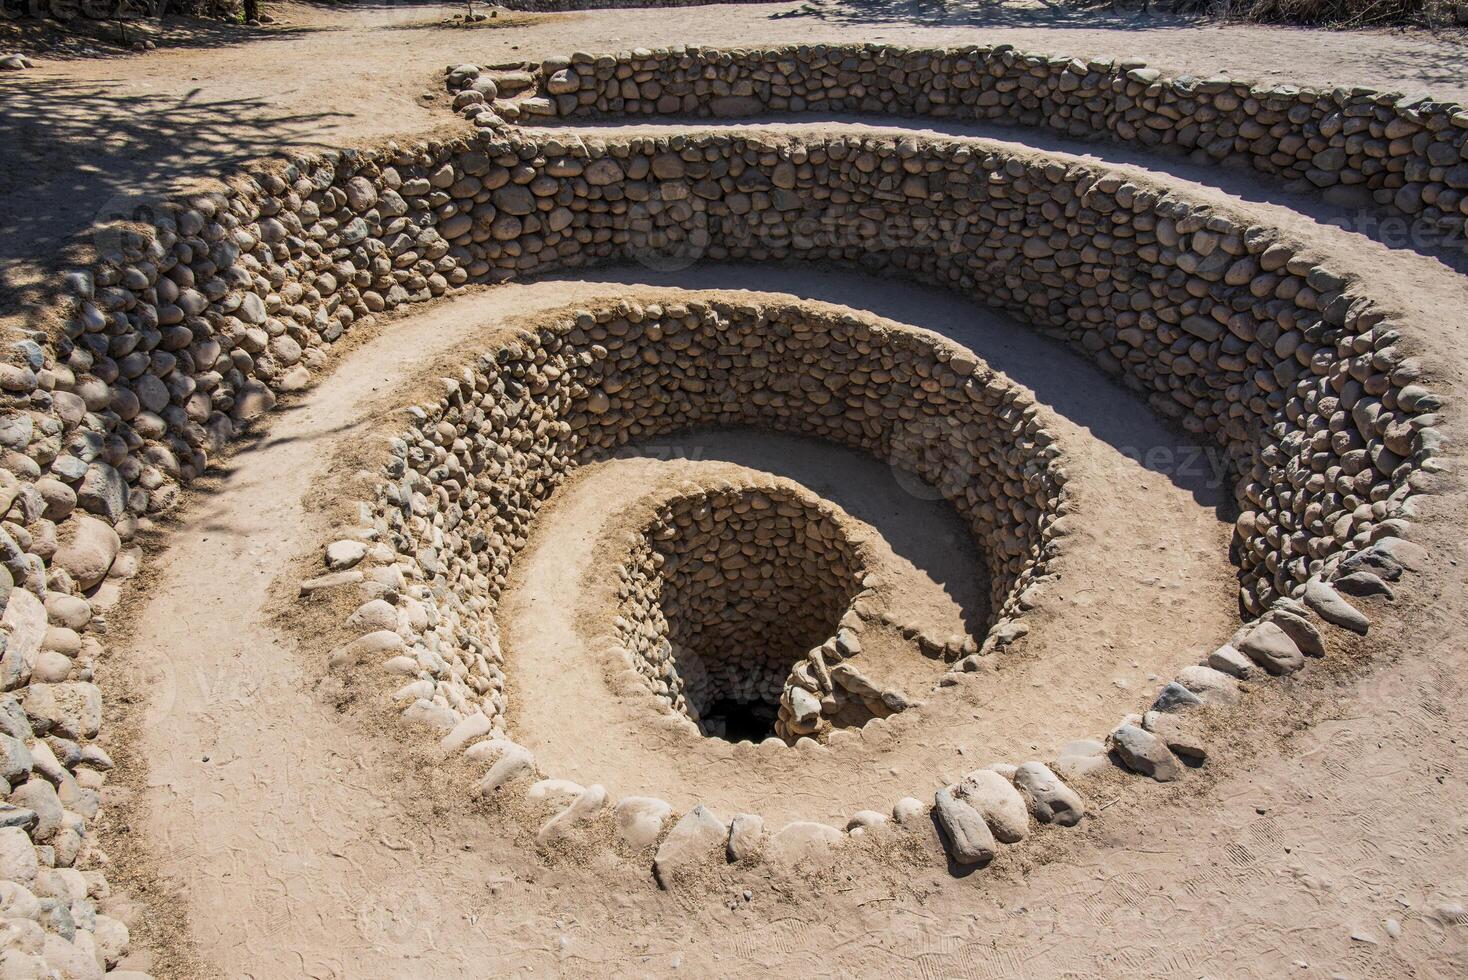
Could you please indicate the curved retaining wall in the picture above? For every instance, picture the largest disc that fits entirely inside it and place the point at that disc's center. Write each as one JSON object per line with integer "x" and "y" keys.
{"x": 1408, "y": 154}
{"x": 475, "y": 468}
{"x": 238, "y": 298}
{"x": 1221, "y": 326}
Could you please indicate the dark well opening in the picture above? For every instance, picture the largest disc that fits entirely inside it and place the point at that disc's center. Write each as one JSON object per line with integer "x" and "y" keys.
{"x": 741, "y": 584}
{"x": 739, "y": 720}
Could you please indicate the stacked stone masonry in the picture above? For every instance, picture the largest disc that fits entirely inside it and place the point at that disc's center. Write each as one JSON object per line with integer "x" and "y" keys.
{"x": 469, "y": 477}
{"x": 1408, "y": 154}
{"x": 727, "y": 594}
{"x": 195, "y": 327}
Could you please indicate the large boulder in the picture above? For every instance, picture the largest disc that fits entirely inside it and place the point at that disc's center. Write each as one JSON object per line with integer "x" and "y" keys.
{"x": 695, "y": 838}
{"x": 88, "y": 549}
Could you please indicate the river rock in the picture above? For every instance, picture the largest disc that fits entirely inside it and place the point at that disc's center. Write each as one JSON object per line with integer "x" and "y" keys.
{"x": 1051, "y": 801}
{"x": 1145, "y": 753}
{"x": 998, "y": 802}
{"x": 639, "y": 820}
{"x": 746, "y": 837}
{"x": 1331, "y": 607}
{"x": 88, "y": 549}
{"x": 694, "y": 839}
{"x": 967, "y": 836}
{"x": 1271, "y": 648}
{"x": 72, "y": 710}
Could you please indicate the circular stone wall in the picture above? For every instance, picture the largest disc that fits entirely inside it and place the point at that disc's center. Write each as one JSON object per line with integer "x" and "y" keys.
{"x": 729, "y": 593}
{"x": 471, "y": 473}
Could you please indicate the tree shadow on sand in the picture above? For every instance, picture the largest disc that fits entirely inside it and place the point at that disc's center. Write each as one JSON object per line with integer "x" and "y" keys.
{"x": 77, "y": 155}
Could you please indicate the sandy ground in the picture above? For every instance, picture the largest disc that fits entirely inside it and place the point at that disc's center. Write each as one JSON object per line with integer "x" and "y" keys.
{"x": 1327, "y": 839}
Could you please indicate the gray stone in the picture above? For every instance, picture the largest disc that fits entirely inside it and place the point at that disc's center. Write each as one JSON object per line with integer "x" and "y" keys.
{"x": 1299, "y": 629}
{"x": 584, "y": 809}
{"x": 639, "y": 820}
{"x": 1177, "y": 733}
{"x": 1050, "y": 800}
{"x": 514, "y": 199}
{"x": 88, "y": 549}
{"x": 103, "y": 491}
{"x": 430, "y": 714}
{"x": 802, "y": 843}
{"x": 965, "y": 833}
{"x": 17, "y": 857}
{"x": 72, "y": 710}
{"x": 1145, "y": 753}
{"x": 1211, "y": 685}
{"x": 70, "y": 611}
{"x": 466, "y": 730}
{"x": 1412, "y": 557}
{"x": 513, "y": 761}
{"x": 1227, "y": 660}
{"x": 1175, "y": 697}
{"x": 40, "y": 796}
{"x": 998, "y": 802}
{"x": 1364, "y": 585}
{"x": 374, "y": 614}
{"x": 1271, "y": 648}
{"x": 253, "y": 401}
{"x": 866, "y": 820}
{"x": 13, "y": 721}
{"x": 695, "y": 838}
{"x": 341, "y": 555}
{"x": 15, "y": 430}
{"x": 746, "y": 837}
{"x": 729, "y": 106}
{"x": 910, "y": 812}
{"x": 17, "y": 816}
{"x": 25, "y": 621}
{"x": 15, "y": 759}
{"x": 377, "y": 644}
{"x": 1329, "y": 606}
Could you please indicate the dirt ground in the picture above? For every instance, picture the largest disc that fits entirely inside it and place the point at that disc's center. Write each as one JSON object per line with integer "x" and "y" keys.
{"x": 261, "y": 833}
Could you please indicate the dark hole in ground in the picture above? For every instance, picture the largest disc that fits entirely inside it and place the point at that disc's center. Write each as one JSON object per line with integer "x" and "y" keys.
{"x": 740, "y": 720}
